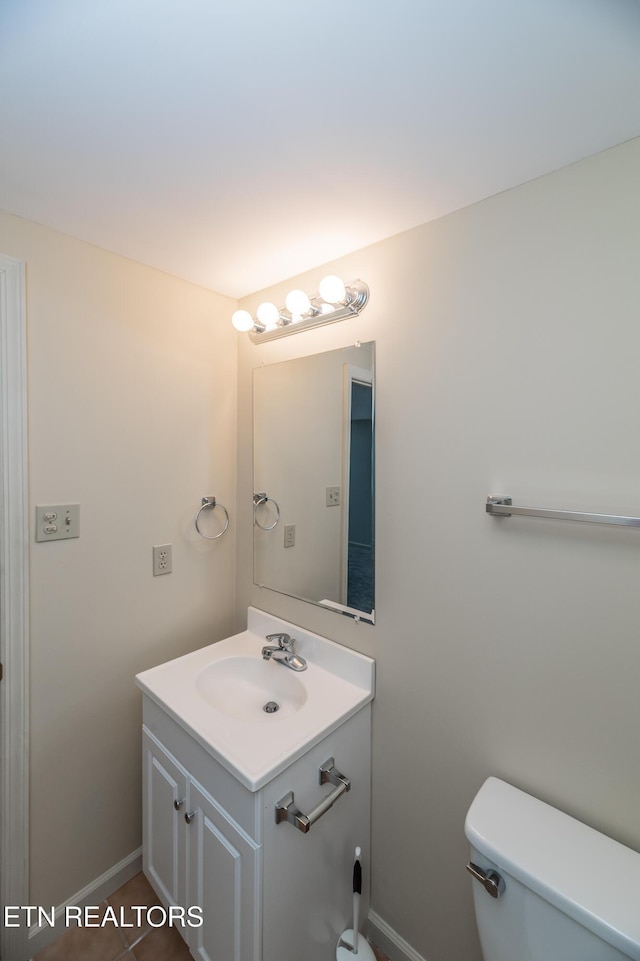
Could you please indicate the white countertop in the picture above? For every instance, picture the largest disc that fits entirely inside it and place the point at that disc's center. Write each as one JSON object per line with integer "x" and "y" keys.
{"x": 338, "y": 682}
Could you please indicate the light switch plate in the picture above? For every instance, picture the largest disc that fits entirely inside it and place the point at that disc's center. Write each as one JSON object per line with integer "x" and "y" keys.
{"x": 56, "y": 522}
{"x": 333, "y": 496}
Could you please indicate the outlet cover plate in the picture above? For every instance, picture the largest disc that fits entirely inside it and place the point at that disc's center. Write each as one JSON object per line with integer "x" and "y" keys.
{"x": 162, "y": 559}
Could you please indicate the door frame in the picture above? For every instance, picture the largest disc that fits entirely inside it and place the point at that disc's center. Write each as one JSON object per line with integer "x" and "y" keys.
{"x": 14, "y": 603}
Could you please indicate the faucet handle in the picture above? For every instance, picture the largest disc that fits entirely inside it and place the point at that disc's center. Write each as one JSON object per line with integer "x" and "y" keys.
{"x": 284, "y": 641}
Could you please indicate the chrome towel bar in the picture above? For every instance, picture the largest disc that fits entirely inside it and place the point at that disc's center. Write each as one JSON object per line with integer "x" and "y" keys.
{"x": 502, "y": 506}
{"x": 286, "y": 810}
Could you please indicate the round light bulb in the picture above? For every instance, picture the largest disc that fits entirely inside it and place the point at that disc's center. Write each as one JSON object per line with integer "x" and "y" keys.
{"x": 297, "y": 302}
{"x": 332, "y": 289}
{"x": 268, "y": 314}
{"x": 242, "y": 320}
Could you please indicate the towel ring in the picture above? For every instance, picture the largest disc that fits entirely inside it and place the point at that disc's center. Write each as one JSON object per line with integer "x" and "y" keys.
{"x": 259, "y": 499}
{"x": 208, "y": 504}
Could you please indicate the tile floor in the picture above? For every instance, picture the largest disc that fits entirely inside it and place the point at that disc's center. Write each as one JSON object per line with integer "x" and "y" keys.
{"x": 109, "y": 943}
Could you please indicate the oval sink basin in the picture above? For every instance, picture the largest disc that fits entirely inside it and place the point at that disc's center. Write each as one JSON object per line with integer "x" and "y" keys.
{"x": 243, "y": 687}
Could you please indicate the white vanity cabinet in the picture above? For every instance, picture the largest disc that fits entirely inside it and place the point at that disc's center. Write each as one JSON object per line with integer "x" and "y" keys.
{"x": 196, "y": 855}
{"x": 257, "y": 790}
{"x": 268, "y": 892}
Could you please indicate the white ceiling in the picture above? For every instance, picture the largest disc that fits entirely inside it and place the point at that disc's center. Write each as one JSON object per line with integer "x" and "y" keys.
{"x": 236, "y": 144}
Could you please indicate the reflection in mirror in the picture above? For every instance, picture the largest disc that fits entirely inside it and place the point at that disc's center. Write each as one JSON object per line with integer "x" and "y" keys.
{"x": 313, "y": 459}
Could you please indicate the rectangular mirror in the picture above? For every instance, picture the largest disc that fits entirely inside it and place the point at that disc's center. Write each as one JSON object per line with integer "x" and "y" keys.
{"x": 313, "y": 469}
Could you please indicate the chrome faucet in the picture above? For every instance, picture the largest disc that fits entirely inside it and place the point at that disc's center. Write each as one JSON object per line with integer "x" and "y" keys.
{"x": 283, "y": 652}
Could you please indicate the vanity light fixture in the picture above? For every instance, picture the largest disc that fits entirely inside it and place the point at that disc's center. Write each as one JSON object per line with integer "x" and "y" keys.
{"x": 334, "y": 301}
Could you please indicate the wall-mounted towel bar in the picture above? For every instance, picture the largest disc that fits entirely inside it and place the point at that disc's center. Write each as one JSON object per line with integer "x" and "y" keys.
{"x": 502, "y": 506}
{"x": 286, "y": 809}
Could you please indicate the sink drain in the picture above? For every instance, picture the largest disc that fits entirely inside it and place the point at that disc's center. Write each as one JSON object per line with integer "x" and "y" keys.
{"x": 271, "y": 707}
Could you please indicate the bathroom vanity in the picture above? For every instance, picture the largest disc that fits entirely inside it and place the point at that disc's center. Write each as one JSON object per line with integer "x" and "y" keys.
{"x": 253, "y": 815}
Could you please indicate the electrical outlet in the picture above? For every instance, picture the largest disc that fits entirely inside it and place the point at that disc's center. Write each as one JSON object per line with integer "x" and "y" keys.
{"x": 333, "y": 496}
{"x": 162, "y": 559}
{"x": 289, "y": 535}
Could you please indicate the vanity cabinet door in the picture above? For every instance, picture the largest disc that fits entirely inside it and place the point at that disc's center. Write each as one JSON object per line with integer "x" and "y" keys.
{"x": 164, "y": 794}
{"x": 224, "y": 878}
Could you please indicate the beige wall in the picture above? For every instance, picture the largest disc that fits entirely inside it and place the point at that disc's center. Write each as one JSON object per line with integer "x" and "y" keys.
{"x": 132, "y": 402}
{"x": 507, "y": 344}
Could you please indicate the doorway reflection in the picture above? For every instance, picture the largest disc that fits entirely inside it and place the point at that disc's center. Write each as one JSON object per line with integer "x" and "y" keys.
{"x": 360, "y": 537}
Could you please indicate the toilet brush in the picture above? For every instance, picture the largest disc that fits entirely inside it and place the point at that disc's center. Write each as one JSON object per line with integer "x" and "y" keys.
{"x": 351, "y": 941}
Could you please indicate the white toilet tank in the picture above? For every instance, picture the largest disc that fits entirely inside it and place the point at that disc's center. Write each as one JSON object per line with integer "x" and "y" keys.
{"x": 570, "y": 893}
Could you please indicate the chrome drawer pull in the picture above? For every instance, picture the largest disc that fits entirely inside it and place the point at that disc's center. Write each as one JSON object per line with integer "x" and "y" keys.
{"x": 286, "y": 809}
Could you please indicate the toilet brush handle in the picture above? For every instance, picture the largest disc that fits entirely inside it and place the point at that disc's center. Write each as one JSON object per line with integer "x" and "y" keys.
{"x": 356, "y": 922}
{"x": 357, "y": 890}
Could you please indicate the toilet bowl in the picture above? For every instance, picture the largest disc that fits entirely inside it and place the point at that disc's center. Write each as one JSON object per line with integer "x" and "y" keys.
{"x": 547, "y": 887}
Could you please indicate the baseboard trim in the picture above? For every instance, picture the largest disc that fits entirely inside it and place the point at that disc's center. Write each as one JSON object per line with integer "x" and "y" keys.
{"x": 384, "y": 937}
{"x": 93, "y": 893}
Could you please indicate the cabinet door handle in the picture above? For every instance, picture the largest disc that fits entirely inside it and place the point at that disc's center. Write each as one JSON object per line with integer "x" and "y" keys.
{"x": 189, "y": 815}
{"x": 286, "y": 809}
{"x": 178, "y": 804}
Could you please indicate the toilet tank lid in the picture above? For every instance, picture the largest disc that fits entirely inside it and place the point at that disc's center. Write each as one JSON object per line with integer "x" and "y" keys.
{"x": 590, "y": 877}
